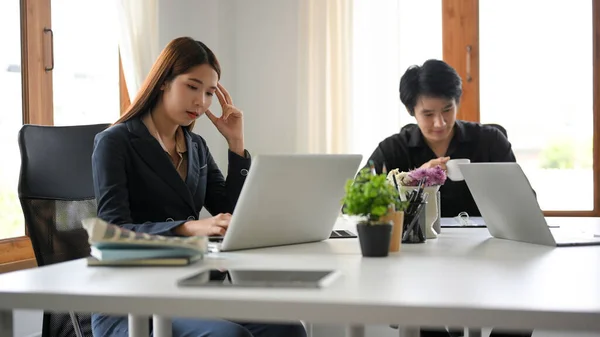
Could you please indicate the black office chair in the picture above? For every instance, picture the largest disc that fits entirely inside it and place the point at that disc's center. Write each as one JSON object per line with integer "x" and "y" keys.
{"x": 499, "y": 127}
{"x": 56, "y": 191}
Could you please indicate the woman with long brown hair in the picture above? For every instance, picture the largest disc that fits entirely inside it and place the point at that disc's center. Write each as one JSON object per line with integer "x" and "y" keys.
{"x": 153, "y": 174}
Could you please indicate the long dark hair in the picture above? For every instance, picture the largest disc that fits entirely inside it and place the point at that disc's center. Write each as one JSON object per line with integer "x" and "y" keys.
{"x": 178, "y": 57}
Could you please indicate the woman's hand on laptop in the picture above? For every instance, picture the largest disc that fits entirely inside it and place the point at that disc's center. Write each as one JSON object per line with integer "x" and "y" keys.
{"x": 216, "y": 225}
{"x": 441, "y": 161}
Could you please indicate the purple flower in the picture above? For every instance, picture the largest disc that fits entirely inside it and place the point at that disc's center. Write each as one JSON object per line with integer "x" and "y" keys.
{"x": 434, "y": 176}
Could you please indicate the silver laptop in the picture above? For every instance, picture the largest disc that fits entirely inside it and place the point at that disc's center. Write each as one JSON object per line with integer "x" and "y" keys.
{"x": 288, "y": 199}
{"x": 510, "y": 209}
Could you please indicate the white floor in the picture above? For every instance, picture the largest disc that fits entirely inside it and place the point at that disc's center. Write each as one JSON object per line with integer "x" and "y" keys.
{"x": 30, "y": 322}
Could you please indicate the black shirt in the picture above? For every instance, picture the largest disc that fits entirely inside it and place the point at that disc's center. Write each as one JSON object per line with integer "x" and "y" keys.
{"x": 407, "y": 150}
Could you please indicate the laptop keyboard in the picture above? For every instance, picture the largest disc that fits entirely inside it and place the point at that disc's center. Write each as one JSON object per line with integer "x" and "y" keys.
{"x": 341, "y": 234}
{"x": 215, "y": 241}
{"x": 574, "y": 236}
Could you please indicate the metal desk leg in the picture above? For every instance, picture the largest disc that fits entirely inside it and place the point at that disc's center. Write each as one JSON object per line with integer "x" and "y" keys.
{"x": 355, "y": 331}
{"x": 6, "y": 323}
{"x": 161, "y": 326}
{"x": 409, "y": 331}
{"x": 473, "y": 332}
{"x": 139, "y": 326}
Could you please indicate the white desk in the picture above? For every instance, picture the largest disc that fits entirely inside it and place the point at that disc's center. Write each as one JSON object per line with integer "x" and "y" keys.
{"x": 464, "y": 278}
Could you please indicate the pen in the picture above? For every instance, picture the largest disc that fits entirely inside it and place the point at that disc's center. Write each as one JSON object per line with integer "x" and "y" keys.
{"x": 402, "y": 196}
{"x": 420, "y": 189}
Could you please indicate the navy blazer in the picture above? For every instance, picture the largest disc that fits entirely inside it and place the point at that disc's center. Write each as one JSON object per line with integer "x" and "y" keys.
{"x": 137, "y": 186}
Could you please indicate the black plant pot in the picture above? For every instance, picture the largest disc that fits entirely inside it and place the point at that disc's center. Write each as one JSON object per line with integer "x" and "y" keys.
{"x": 374, "y": 238}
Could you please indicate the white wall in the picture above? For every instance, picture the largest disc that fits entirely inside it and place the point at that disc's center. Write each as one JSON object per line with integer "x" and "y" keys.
{"x": 199, "y": 20}
{"x": 257, "y": 45}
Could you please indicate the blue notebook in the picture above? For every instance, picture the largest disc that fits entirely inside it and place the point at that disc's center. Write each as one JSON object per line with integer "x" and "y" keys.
{"x": 113, "y": 245}
{"x": 141, "y": 253}
{"x": 154, "y": 262}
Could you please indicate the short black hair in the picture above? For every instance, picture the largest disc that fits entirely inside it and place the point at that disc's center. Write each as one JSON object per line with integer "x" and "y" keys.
{"x": 434, "y": 78}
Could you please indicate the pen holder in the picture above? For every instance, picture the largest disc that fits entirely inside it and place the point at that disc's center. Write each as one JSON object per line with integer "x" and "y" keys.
{"x": 414, "y": 225}
{"x": 432, "y": 210}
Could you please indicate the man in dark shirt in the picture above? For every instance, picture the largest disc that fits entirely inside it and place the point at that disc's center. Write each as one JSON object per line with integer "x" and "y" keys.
{"x": 431, "y": 93}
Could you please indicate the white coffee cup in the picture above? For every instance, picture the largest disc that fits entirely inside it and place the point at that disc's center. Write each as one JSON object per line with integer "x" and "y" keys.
{"x": 453, "y": 170}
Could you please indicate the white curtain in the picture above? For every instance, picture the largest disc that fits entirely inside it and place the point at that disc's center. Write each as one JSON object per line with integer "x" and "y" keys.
{"x": 388, "y": 37}
{"x": 325, "y": 114}
{"x": 138, "y": 40}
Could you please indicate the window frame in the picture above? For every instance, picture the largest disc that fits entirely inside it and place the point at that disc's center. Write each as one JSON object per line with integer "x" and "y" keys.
{"x": 460, "y": 28}
{"x": 17, "y": 252}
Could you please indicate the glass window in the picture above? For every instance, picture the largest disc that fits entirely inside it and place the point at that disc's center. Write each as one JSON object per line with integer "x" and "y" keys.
{"x": 11, "y": 119}
{"x": 86, "y": 62}
{"x": 537, "y": 81}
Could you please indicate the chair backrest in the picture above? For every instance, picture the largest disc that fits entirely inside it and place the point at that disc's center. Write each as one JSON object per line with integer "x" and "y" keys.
{"x": 499, "y": 127}
{"x": 56, "y": 192}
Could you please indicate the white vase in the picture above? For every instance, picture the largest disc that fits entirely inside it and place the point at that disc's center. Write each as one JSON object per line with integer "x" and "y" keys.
{"x": 431, "y": 209}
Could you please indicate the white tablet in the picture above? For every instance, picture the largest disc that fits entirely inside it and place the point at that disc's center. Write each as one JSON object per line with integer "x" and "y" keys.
{"x": 260, "y": 278}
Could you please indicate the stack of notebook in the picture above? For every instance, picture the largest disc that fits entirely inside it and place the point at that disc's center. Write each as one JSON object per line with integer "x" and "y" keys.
{"x": 115, "y": 246}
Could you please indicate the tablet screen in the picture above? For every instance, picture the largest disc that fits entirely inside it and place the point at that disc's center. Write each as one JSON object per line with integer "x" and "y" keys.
{"x": 259, "y": 278}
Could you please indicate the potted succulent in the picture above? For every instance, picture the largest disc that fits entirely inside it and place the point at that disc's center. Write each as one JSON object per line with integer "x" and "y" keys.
{"x": 372, "y": 197}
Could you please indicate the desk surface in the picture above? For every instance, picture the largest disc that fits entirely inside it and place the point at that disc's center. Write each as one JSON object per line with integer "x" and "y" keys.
{"x": 463, "y": 278}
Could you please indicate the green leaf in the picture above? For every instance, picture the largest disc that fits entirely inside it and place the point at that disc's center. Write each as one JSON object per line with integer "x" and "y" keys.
{"x": 370, "y": 196}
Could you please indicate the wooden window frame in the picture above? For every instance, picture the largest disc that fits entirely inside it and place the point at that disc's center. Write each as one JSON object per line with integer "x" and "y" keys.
{"x": 460, "y": 29}
{"x": 123, "y": 93}
{"x": 17, "y": 253}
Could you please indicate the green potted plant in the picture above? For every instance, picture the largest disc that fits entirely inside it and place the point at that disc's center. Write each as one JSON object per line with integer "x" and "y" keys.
{"x": 371, "y": 197}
